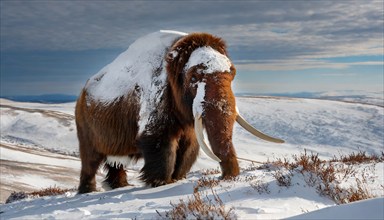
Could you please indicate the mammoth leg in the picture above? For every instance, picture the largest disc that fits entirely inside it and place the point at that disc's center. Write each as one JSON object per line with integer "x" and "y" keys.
{"x": 160, "y": 156}
{"x": 186, "y": 156}
{"x": 90, "y": 163}
{"x": 116, "y": 177}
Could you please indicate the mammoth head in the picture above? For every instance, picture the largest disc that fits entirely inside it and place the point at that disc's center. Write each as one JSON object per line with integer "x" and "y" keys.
{"x": 200, "y": 76}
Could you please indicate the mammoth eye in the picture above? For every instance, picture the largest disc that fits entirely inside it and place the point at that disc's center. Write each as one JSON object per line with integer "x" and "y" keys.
{"x": 193, "y": 79}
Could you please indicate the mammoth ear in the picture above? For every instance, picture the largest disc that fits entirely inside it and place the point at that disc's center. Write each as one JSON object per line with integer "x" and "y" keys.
{"x": 172, "y": 55}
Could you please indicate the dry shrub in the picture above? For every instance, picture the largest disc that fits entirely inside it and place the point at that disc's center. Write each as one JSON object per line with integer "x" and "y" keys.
{"x": 283, "y": 179}
{"x": 345, "y": 195}
{"x": 250, "y": 178}
{"x": 281, "y": 163}
{"x": 360, "y": 157}
{"x": 206, "y": 182}
{"x": 260, "y": 186}
{"x": 210, "y": 172}
{"x": 360, "y": 193}
{"x": 251, "y": 167}
{"x": 324, "y": 175}
{"x": 199, "y": 208}
{"x": 309, "y": 163}
{"x": 50, "y": 191}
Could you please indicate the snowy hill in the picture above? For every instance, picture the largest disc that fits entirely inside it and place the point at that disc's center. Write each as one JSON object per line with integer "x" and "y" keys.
{"x": 47, "y": 126}
{"x": 353, "y": 96}
{"x": 39, "y": 147}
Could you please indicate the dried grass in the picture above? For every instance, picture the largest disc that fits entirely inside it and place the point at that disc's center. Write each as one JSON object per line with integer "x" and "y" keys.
{"x": 200, "y": 207}
{"x": 358, "y": 158}
{"x": 210, "y": 172}
{"x": 326, "y": 176}
{"x": 50, "y": 191}
{"x": 283, "y": 179}
{"x": 260, "y": 187}
{"x": 206, "y": 182}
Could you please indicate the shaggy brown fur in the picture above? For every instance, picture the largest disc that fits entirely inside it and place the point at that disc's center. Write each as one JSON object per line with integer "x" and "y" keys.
{"x": 175, "y": 68}
{"x": 168, "y": 143}
{"x": 220, "y": 112}
{"x": 101, "y": 132}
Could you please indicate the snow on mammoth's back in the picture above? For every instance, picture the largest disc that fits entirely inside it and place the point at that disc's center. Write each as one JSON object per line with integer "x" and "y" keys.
{"x": 136, "y": 66}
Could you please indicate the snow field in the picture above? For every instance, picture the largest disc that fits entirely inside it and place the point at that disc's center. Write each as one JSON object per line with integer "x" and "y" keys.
{"x": 326, "y": 128}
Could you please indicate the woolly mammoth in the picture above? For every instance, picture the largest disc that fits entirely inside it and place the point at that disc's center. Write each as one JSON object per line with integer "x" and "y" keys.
{"x": 153, "y": 102}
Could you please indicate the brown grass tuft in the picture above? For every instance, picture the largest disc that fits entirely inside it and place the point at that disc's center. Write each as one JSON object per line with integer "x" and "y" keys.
{"x": 309, "y": 163}
{"x": 326, "y": 175}
{"x": 206, "y": 182}
{"x": 251, "y": 167}
{"x": 360, "y": 157}
{"x": 199, "y": 208}
{"x": 260, "y": 187}
{"x": 210, "y": 172}
{"x": 283, "y": 179}
{"x": 50, "y": 191}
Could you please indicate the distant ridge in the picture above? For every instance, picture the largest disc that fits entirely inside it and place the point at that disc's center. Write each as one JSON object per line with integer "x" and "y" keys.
{"x": 355, "y": 96}
{"x": 291, "y": 95}
{"x": 46, "y": 98}
{"x": 375, "y": 98}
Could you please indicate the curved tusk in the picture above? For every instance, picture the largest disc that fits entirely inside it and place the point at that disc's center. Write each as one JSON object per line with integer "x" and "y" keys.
{"x": 200, "y": 139}
{"x": 253, "y": 130}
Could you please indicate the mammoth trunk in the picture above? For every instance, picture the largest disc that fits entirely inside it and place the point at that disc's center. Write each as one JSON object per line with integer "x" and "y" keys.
{"x": 219, "y": 127}
{"x": 214, "y": 111}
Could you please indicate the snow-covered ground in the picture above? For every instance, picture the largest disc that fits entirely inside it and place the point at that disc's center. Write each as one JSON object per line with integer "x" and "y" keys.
{"x": 38, "y": 149}
{"x": 48, "y": 126}
{"x": 353, "y": 96}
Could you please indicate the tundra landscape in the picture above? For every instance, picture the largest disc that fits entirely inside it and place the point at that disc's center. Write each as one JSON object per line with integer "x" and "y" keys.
{"x": 39, "y": 150}
{"x": 192, "y": 109}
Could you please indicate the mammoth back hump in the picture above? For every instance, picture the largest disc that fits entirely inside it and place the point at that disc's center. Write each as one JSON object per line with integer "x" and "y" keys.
{"x": 141, "y": 65}
{"x": 138, "y": 74}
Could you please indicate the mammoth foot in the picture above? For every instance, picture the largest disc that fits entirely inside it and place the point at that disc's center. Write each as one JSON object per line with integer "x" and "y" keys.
{"x": 175, "y": 178}
{"x": 229, "y": 168}
{"x": 87, "y": 186}
{"x": 156, "y": 174}
{"x": 157, "y": 183}
{"x": 116, "y": 177}
{"x": 86, "y": 189}
{"x": 116, "y": 183}
{"x": 87, "y": 183}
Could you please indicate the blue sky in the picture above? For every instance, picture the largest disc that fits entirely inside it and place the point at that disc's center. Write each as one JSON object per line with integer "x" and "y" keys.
{"x": 277, "y": 46}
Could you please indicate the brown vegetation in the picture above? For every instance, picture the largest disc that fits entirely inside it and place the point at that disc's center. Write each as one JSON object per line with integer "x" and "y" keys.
{"x": 326, "y": 176}
{"x": 50, "y": 191}
{"x": 200, "y": 207}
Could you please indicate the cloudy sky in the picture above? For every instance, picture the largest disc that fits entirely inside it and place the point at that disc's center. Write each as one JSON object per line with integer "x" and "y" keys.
{"x": 277, "y": 46}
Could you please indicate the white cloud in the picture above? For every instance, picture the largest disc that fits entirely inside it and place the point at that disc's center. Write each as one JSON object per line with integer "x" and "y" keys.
{"x": 286, "y": 25}
{"x": 271, "y": 35}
